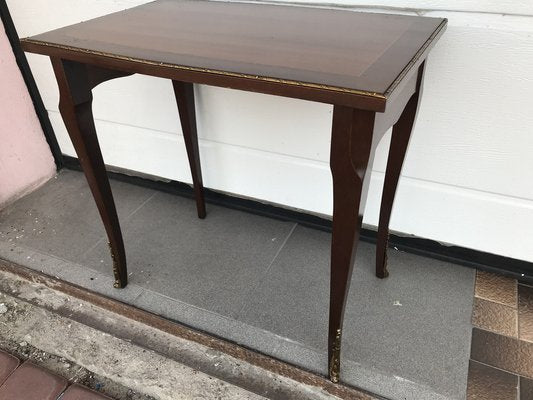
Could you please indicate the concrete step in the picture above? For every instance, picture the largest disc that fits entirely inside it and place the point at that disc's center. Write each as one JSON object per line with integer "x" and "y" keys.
{"x": 127, "y": 353}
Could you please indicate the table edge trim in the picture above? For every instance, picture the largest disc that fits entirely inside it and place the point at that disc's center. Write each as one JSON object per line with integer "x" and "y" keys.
{"x": 419, "y": 54}
{"x": 211, "y": 71}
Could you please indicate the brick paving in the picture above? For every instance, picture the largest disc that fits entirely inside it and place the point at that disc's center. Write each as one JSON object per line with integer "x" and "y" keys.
{"x": 8, "y": 364}
{"x": 77, "y": 392}
{"x": 29, "y": 382}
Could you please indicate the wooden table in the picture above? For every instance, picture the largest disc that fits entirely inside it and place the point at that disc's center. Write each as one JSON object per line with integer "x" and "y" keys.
{"x": 368, "y": 66}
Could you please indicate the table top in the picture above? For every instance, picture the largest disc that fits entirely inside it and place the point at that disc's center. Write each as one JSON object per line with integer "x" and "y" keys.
{"x": 339, "y": 50}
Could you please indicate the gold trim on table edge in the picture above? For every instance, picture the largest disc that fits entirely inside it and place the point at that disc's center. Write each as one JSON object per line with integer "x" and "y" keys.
{"x": 207, "y": 70}
{"x": 416, "y": 57}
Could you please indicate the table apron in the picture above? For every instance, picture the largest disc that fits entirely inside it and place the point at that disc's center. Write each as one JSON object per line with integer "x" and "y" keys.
{"x": 363, "y": 100}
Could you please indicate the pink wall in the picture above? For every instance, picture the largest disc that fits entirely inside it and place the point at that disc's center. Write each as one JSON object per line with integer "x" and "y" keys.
{"x": 25, "y": 158}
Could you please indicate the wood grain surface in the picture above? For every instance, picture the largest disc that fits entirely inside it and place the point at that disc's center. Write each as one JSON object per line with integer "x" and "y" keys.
{"x": 337, "y": 48}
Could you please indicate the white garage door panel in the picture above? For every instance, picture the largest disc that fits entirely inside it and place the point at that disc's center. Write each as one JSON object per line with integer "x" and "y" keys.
{"x": 484, "y": 221}
{"x": 250, "y": 173}
{"x": 517, "y": 7}
{"x": 474, "y": 126}
{"x": 36, "y": 16}
{"x": 425, "y": 209}
{"x": 468, "y": 167}
{"x": 279, "y": 125}
{"x": 276, "y": 124}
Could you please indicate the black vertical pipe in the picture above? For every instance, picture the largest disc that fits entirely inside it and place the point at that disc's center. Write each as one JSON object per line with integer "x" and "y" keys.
{"x": 22, "y": 63}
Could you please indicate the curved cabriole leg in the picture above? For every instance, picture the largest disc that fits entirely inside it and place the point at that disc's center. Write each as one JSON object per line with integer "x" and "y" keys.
{"x": 401, "y": 133}
{"x": 351, "y": 150}
{"x": 75, "y": 84}
{"x": 184, "y": 92}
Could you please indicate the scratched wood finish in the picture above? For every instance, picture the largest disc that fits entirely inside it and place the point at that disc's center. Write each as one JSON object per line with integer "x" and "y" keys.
{"x": 364, "y": 64}
{"x": 316, "y": 49}
{"x": 353, "y": 145}
{"x": 75, "y": 83}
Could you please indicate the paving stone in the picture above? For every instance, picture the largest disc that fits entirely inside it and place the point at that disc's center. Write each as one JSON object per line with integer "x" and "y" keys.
{"x": 509, "y": 354}
{"x": 236, "y": 276}
{"x": 414, "y": 325}
{"x": 8, "y": 364}
{"x": 497, "y": 288}
{"x": 30, "y": 382}
{"x": 211, "y": 263}
{"x": 525, "y": 312}
{"x": 526, "y": 388}
{"x": 495, "y": 317}
{"x": 77, "y": 392}
{"x": 495, "y": 350}
{"x": 487, "y": 383}
{"x": 61, "y": 217}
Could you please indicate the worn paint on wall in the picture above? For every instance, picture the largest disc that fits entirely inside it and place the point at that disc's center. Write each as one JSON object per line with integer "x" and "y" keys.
{"x": 25, "y": 158}
{"x": 467, "y": 177}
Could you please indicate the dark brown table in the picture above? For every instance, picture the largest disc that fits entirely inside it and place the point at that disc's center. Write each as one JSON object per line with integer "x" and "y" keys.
{"x": 368, "y": 66}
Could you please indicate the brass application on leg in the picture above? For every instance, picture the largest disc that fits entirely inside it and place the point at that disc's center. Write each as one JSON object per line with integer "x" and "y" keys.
{"x": 115, "y": 267}
{"x": 334, "y": 369}
{"x": 386, "y": 259}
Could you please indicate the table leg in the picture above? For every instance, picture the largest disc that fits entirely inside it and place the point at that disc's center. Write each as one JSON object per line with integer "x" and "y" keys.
{"x": 352, "y": 145}
{"x": 184, "y": 92}
{"x": 401, "y": 133}
{"x": 75, "y": 84}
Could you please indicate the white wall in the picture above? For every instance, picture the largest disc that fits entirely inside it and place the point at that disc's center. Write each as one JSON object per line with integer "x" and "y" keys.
{"x": 468, "y": 178}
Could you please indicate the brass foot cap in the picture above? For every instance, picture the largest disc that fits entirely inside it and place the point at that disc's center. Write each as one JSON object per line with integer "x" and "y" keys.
{"x": 119, "y": 285}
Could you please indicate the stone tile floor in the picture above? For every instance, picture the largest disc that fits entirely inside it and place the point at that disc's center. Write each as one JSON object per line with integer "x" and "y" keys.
{"x": 260, "y": 282}
{"x": 27, "y": 381}
{"x": 501, "y": 365}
